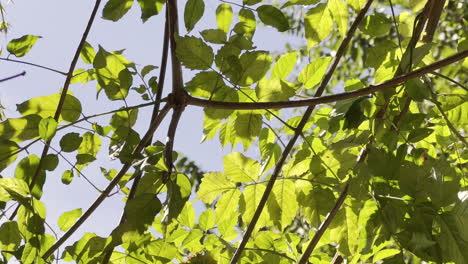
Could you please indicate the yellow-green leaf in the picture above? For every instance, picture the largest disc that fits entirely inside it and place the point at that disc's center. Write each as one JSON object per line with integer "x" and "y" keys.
{"x": 224, "y": 17}
{"x": 20, "y": 46}
{"x": 67, "y": 219}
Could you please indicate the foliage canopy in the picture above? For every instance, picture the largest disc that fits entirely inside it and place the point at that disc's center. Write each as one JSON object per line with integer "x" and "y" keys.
{"x": 373, "y": 174}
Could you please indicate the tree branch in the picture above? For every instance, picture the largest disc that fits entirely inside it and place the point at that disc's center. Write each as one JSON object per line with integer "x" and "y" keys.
{"x": 328, "y": 98}
{"x": 305, "y": 118}
{"x": 154, "y": 125}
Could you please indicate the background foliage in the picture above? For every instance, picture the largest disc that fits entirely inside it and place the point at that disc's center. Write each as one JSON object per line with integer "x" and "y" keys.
{"x": 373, "y": 172}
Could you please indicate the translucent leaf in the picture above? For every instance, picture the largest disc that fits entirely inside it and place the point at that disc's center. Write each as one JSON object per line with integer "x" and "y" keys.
{"x": 240, "y": 168}
{"x": 20, "y": 46}
{"x": 67, "y": 177}
{"x": 150, "y": 8}
{"x": 283, "y": 206}
{"x": 89, "y": 146}
{"x": 284, "y": 66}
{"x": 247, "y": 127}
{"x": 458, "y": 114}
{"x": 26, "y": 169}
{"x": 7, "y": 153}
{"x": 187, "y": 216}
{"x": 419, "y": 134}
{"x": 376, "y": 25}
{"x": 47, "y": 128}
{"x": 46, "y": 106}
{"x": 271, "y": 90}
{"x": 67, "y": 219}
{"x": 339, "y": 12}
{"x": 50, "y": 162}
{"x": 249, "y": 202}
{"x": 112, "y": 74}
{"x": 299, "y": 2}
{"x": 254, "y": 66}
{"x": 116, "y": 9}
{"x": 11, "y": 238}
{"x": 312, "y": 74}
{"x": 193, "y": 53}
{"x": 213, "y": 184}
{"x": 224, "y": 17}
{"x": 318, "y": 24}
{"x": 142, "y": 209}
{"x": 193, "y": 12}
{"x": 147, "y": 69}
{"x": 356, "y": 4}
{"x": 12, "y": 188}
{"x": 70, "y": 142}
{"x": 20, "y": 129}
{"x": 206, "y": 220}
{"x": 247, "y": 23}
{"x": 272, "y": 16}
{"x": 87, "y": 53}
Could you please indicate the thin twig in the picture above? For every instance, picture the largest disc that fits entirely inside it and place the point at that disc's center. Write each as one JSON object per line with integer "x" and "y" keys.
{"x": 302, "y": 123}
{"x": 450, "y": 80}
{"x": 329, "y": 98}
{"x": 13, "y": 77}
{"x": 154, "y": 125}
{"x": 35, "y": 65}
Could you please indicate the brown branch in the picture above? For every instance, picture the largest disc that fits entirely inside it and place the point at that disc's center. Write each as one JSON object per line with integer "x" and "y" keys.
{"x": 35, "y": 65}
{"x": 305, "y": 118}
{"x": 63, "y": 95}
{"x": 154, "y": 115}
{"x": 323, "y": 227}
{"x": 13, "y": 77}
{"x": 337, "y": 259}
{"x": 329, "y": 98}
{"x": 154, "y": 125}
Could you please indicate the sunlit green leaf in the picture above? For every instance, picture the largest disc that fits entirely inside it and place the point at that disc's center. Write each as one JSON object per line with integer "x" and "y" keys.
{"x": 318, "y": 24}
{"x": 247, "y": 23}
{"x": 116, "y": 9}
{"x": 11, "y": 238}
{"x": 212, "y": 185}
{"x": 224, "y": 17}
{"x": 216, "y": 36}
{"x": 12, "y": 187}
{"x": 240, "y": 168}
{"x": 20, "y": 46}
{"x": 7, "y": 153}
{"x": 250, "y": 198}
{"x": 20, "y": 129}
{"x": 150, "y": 8}
{"x": 46, "y": 106}
{"x": 67, "y": 177}
{"x": 47, "y": 128}
{"x": 312, "y": 74}
{"x": 339, "y": 13}
{"x": 67, "y": 219}
{"x": 27, "y": 169}
{"x": 284, "y": 65}
{"x": 254, "y": 66}
{"x": 206, "y": 220}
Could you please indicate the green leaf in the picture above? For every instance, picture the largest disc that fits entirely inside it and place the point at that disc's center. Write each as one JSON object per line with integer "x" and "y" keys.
{"x": 47, "y": 128}
{"x": 142, "y": 209}
{"x": 12, "y": 188}
{"x": 193, "y": 53}
{"x": 240, "y": 168}
{"x": 87, "y": 53}
{"x": 112, "y": 74}
{"x": 356, "y": 4}
{"x": 272, "y": 16}
{"x": 283, "y": 206}
{"x": 255, "y": 65}
{"x": 150, "y": 8}
{"x": 376, "y": 25}
{"x": 284, "y": 66}
{"x": 247, "y": 23}
{"x": 247, "y": 127}
{"x": 299, "y": 2}
{"x": 116, "y": 9}
{"x": 193, "y": 12}
{"x": 224, "y": 17}
{"x": 271, "y": 90}
{"x": 147, "y": 69}
{"x": 20, "y": 129}
{"x": 249, "y": 202}
{"x": 318, "y": 24}
{"x": 46, "y": 106}
{"x": 7, "y": 153}
{"x": 27, "y": 167}
{"x": 50, "y": 162}
{"x": 212, "y": 185}
{"x": 10, "y": 238}
{"x": 417, "y": 90}
{"x": 216, "y": 36}
{"x": 70, "y": 142}
{"x": 187, "y": 216}
{"x": 206, "y": 221}
{"x": 204, "y": 84}
{"x": 88, "y": 149}
{"x": 312, "y": 74}
{"x": 419, "y": 134}
{"x": 67, "y": 219}
{"x": 457, "y": 115}
{"x": 339, "y": 13}
{"x": 20, "y": 46}
{"x": 67, "y": 177}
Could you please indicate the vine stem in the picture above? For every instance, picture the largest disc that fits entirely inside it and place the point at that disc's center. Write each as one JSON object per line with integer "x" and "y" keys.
{"x": 329, "y": 98}
{"x": 63, "y": 95}
{"x": 339, "y": 54}
{"x": 154, "y": 125}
